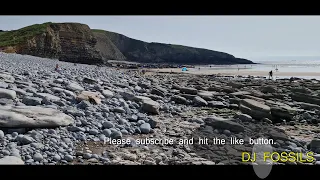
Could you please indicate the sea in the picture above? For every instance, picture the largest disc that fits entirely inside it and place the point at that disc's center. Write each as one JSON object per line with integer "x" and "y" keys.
{"x": 292, "y": 66}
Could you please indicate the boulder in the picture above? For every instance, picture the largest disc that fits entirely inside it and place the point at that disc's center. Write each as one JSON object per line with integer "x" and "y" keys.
{"x": 222, "y": 123}
{"x": 187, "y": 90}
{"x": 92, "y": 97}
{"x": 198, "y": 101}
{"x": 151, "y": 106}
{"x": 33, "y": 117}
{"x": 7, "y": 93}
{"x": 11, "y": 160}
{"x": 179, "y": 100}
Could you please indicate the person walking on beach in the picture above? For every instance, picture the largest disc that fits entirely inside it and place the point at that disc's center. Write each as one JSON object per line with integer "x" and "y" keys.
{"x": 270, "y": 74}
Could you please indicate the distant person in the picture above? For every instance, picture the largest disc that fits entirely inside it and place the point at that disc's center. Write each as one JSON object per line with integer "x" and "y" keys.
{"x": 57, "y": 68}
{"x": 270, "y": 74}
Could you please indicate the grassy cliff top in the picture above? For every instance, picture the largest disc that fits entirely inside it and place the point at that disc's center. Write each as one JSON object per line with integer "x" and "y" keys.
{"x": 15, "y": 37}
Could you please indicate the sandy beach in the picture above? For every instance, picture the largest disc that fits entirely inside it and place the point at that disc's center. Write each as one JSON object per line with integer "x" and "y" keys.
{"x": 235, "y": 72}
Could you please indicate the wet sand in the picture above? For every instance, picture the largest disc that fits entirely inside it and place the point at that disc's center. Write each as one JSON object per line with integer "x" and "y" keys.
{"x": 235, "y": 72}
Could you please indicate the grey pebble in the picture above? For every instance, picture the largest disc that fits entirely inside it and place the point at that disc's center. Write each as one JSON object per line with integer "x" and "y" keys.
{"x": 37, "y": 157}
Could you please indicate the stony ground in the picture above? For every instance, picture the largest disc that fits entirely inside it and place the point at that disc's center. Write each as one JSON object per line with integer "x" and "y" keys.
{"x": 71, "y": 116}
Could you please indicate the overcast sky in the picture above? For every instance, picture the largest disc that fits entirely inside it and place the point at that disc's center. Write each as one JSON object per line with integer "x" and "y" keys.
{"x": 251, "y": 37}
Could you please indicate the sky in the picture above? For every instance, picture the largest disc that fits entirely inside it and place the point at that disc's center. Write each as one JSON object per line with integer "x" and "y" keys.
{"x": 251, "y": 37}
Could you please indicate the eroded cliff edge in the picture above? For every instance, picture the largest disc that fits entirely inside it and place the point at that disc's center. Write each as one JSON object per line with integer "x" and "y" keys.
{"x": 75, "y": 42}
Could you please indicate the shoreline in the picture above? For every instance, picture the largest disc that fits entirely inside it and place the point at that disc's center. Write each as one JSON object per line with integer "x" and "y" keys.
{"x": 232, "y": 72}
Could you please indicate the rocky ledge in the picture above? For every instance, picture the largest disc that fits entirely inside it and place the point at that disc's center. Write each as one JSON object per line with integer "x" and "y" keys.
{"x": 86, "y": 114}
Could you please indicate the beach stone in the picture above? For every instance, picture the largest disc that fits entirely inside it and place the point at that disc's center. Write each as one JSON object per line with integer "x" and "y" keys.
{"x": 221, "y": 123}
{"x": 179, "y": 99}
{"x": 92, "y": 97}
{"x": 32, "y": 116}
{"x": 107, "y": 93}
{"x": 244, "y": 117}
{"x": 198, "y": 101}
{"x": 145, "y": 128}
{"x": 74, "y": 87}
{"x": 151, "y": 106}
{"x": 187, "y": 90}
{"x": 7, "y": 93}
{"x": 1, "y": 134}
{"x": 32, "y": 101}
{"x": 37, "y": 157}
{"x": 56, "y": 157}
{"x": 216, "y": 104}
{"x": 11, "y": 160}
{"x": 107, "y": 132}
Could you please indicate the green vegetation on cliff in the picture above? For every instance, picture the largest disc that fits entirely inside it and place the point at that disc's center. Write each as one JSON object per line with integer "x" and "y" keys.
{"x": 75, "y": 42}
{"x": 15, "y": 37}
{"x": 144, "y": 52}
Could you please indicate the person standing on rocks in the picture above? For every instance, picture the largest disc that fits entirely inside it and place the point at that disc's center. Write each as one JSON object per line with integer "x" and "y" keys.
{"x": 270, "y": 74}
{"x": 57, "y": 68}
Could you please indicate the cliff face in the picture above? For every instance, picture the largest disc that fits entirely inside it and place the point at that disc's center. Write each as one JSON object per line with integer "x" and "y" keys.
{"x": 74, "y": 42}
{"x": 139, "y": 51}
{"x": 107, "y": 50}
{"x": 70, "y": 42}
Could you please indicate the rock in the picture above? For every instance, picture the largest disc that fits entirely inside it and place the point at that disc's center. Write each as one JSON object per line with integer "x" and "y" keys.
{"x": 216, "y": 104}
{"x": 68, "y": 158}
{"x": 93, "y": 131}
{"x": 6, "y": 93}
{"x": 75, "y": 129}
{"x": 89, "y": 80}
{"x": 127, "y": 95}
{"x": 301, "y": 90}
{"x": 157, "y": 92}
{"x": 92, "y": 97}
{"x": 179, "y": 99}
{"x": 25, "y": 139}
{"x": 282, "y": 112}
{"x": 244, "y": 117}
{"x": 255, "y": 109}
{"x": 48, "y": 96}
{"x": 141, "y": 98}
{"x": 268, "y": 89}
{"x": 307, "y": 98}
{"x": 107, "y": 124}
{"x": 1, "y": 134}
{"x": 187, "y": 90}
{"x": 116, "y": 135}
{"x": 31, "y": 101}
{"x": 221, "y": 123}
{"x": 198, "y": 101}
{"x": 235, "y": 85}
{"x": 10, "y": 160}
{"x": 314, "y": 144}
{"x": 74, "y": 87}
{"x": 107, "y": 132}
{"x": 60, "y": 90}
{"x": 37, "y": 157}
{"x": 151, "y": 106}
{"x": 4, "y": 85}
{"x": 32, "y": 116}
{"x": 309, "y": 106}
{"x": 119, "y": 110}
{"x": 145, "y": 128}
{"x": 7, "y": 77}
{"x": 87, "y": 155}
{"x": 57, "y": 157}
{"x": 133, "y": 118}
{"x": 107, "y": 93}
{"x": 206, "y": 95}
